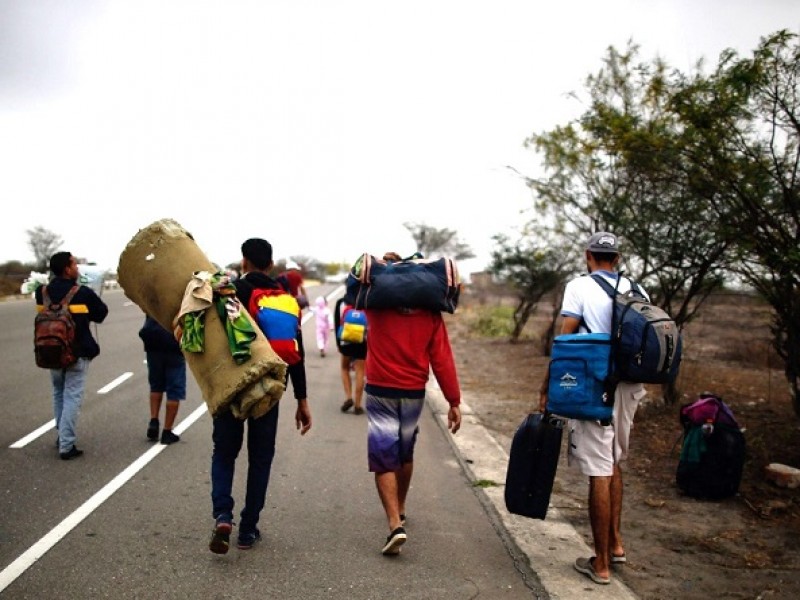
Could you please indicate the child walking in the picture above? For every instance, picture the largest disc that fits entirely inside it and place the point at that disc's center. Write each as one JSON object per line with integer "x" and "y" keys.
{"x": 322, "y": 313}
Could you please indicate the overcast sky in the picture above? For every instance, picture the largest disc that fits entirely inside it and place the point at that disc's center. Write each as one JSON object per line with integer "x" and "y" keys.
{"x": 321, "y": 126}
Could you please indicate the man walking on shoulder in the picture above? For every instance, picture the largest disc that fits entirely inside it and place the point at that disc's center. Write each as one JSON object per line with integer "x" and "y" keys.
{"x": 597, "y": 448}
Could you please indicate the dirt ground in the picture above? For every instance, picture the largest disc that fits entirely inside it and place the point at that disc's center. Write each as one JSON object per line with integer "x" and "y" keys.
{"x": 678, "y": 547}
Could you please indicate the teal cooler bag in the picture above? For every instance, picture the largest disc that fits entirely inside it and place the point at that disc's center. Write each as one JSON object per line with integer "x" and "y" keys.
{"x": 578, "y": 371}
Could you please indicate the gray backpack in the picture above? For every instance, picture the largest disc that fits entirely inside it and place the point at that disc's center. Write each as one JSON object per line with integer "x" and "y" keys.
{"x": 645, "y": 341}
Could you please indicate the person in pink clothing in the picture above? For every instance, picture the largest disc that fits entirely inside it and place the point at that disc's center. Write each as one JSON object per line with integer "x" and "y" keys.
{"x": 405, "y": 345}
{"x": 322, "y": 315}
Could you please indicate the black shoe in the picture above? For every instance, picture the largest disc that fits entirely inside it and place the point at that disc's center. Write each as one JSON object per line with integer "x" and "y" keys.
{"x": 152, "y": 430}
{"x": 71, "y": 453}
{"x": 347, "y": 405}
{"x": 247, "y": 540}
{"x": 221, "y": 537}
{"x": 396, "y": 539}
{"x": 167, "y": 437}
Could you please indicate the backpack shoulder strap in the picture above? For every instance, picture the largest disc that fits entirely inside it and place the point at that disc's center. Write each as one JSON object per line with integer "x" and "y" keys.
{"x": 601, "y": 281}
{"x": 611, "y": 380}
{"x": 70, "y": 294}
{"x": 64, "y": 301}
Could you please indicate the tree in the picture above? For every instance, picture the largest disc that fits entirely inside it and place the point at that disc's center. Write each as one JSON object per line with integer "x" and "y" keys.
{"x": 43, "y": 243}
{"x": 534, "y": 268}
{"x": 745, "y": 143}
{"x": 620, "y": 167}
{"x": 431, "y": 241}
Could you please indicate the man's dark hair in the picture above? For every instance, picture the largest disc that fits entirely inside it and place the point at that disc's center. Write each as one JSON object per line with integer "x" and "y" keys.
{"x": 258, "y": 252}
{"x": 59, "y": 262}
{"x": 604, "y": 257}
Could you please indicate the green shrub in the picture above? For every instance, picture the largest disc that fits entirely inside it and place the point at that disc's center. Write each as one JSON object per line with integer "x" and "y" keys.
{"x": 493, "y": 321}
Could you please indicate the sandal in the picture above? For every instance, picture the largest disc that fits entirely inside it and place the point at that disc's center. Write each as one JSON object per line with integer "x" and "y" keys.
{"x": 585, "y": 566}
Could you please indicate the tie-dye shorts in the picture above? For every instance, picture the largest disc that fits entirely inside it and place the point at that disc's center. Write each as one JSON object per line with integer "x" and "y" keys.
{"x": 391, "y": 431}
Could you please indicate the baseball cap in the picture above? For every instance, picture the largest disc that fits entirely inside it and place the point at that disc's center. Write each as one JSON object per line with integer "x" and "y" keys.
{"x": 603, "y": 241}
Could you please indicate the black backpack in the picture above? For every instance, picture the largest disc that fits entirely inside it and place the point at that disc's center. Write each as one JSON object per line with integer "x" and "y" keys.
{"x": 54, "y": 333}
{"x": 713, "y": 450}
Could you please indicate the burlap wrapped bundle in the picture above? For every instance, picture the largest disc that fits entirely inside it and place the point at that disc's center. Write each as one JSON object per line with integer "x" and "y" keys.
{"x": 154, "y": 270}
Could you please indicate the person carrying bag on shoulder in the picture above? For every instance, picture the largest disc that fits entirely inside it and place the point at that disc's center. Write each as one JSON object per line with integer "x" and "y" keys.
{"x": 598, "y": 446}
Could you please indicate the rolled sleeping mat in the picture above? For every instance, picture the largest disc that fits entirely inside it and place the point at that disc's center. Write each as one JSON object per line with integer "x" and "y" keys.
{"x": 155, "y": 271}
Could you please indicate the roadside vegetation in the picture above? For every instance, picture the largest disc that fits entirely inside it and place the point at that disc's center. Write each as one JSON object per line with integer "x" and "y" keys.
{"x": 698, "y": 173}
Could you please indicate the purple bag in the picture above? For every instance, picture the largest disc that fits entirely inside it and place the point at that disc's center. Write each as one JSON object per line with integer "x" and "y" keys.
{"x": 708, "y": 408}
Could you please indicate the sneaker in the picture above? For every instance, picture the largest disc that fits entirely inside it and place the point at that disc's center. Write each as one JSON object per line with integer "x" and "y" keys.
{"x": 71, "y": 453}
{"x": 358, "y": 410}
{"x": 396, "y": 539}
{"x": 167, "y": 437}
{"x": 220, "y": 537}
{"x": 152, "y": 430}
{"x": 248, "y": 540}
{"x": 347, "y": 405}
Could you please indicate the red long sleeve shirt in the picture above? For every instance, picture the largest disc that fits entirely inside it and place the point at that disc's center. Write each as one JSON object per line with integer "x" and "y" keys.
{"x": 403, "y": 346}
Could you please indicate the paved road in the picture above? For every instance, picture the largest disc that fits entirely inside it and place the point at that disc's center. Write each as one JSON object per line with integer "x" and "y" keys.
{"x": 131, "y": 520}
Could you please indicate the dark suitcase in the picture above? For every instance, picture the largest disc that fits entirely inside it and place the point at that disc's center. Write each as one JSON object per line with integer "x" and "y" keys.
{"x": 532, "y": 464}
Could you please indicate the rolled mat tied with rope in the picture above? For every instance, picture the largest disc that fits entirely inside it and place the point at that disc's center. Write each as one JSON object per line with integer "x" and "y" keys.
{"x": 163, "y": 271}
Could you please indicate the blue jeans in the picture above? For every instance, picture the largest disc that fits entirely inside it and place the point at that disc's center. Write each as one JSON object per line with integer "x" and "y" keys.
{"x": 68, "y": 386}
{"x": 228, "y": 436}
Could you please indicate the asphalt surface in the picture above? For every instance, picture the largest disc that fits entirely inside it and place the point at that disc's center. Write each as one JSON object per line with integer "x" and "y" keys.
{"x": 131, "y": 519}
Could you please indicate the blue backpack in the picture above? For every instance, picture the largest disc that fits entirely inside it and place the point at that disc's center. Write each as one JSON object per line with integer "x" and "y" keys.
{"x": 646, "y": 345}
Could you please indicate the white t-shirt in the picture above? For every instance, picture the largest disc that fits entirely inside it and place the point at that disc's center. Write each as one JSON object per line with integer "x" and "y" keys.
{"x": 583, "y": 297}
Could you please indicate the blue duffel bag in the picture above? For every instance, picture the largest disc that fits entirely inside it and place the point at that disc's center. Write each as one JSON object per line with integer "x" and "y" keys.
{"x": 578, "y": 371}
{"x": 408, "y": 283}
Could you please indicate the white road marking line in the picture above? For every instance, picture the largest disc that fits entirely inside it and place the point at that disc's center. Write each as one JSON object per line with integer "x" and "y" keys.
{"x": 107, "y": 388}
{"x": 21, "y": 443}
{"x": 40, "y": 548}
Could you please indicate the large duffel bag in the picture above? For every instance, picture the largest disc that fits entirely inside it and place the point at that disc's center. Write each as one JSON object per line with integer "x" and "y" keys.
{"x": 408, "y": 283}
{"x": 532, "y": 465}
